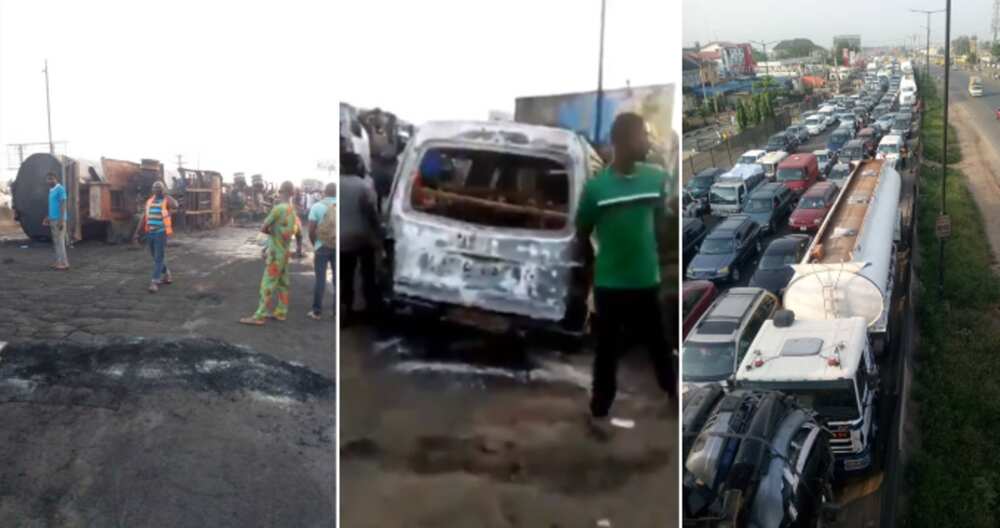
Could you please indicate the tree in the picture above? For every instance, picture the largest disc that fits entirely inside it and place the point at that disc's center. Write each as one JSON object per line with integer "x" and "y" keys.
{"x": 742, "y": 115}
{"x": 962, "y": 45}
{"x": 995, "y": 51}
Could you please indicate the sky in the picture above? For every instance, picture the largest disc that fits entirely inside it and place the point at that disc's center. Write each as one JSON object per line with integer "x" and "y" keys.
{"x": 881, "y": 23}
{"x": 231, "y": 86}
{"x": 452, "y": 59}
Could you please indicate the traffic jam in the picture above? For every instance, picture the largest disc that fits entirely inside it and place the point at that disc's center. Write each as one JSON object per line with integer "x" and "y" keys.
{"x": 790, "y": 260}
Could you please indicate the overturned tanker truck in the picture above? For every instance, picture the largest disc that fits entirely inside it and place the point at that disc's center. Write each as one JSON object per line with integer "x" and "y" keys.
{"x": 106, "y": 197}
{"x": 754, "y": 459}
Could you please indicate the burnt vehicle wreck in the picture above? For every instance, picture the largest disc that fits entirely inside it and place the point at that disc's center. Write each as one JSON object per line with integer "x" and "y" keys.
{"x": 754, "y": 459}
{"x": 480, "y": 231}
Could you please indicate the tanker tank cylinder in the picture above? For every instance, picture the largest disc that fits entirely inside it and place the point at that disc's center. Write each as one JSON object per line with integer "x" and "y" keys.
{"x": 31, "y": 193}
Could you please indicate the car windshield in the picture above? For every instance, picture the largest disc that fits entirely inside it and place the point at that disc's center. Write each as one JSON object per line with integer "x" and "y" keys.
{"x": 822, "y": 158}
{"x": 853, "y": 153}
{"x": 836, "y": 400}
{"x": 812, "y": 202}
{"x": 723, "y": 195}
{"x": 747, "y": 159}
{"x": 888, "y": 148}
{"x": 700, "y": 183}
{"x": 776, "y": 141}
{"x": 758, "y": 205}
{"x": 691, "y": 298}
{"x": 776, "y": 260}
{"x": 901, "y": 124}
{"x": 838, "y": 138}
{"x": 717, "y": 246}
{"x": 708, "y": 361}
{"x": 813, "y": 120}
{"x": 786, "y": 174}
{"x": 839, "y": 172}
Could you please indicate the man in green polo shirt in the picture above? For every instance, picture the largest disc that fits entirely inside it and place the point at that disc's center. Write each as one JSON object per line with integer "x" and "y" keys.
{"x": 623, "y": 204}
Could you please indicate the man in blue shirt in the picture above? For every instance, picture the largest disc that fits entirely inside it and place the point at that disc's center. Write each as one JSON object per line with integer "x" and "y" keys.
{"x": 56, "y": 220}
{"x": 325, "y": 250}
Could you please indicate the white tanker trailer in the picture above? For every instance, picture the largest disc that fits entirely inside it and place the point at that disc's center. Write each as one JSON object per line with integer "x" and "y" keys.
{"x": 849, "y": 268}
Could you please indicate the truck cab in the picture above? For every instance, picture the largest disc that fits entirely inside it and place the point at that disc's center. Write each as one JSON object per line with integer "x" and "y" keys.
{"x": 827, "y": 366}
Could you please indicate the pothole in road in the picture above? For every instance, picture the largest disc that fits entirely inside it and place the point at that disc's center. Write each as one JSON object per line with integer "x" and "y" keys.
{"x": 103, "y": 375}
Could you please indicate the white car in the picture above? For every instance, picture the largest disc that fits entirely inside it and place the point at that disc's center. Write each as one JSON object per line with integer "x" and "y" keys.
{"x": 751, "y": 156}
{"x": 815, "y": 125}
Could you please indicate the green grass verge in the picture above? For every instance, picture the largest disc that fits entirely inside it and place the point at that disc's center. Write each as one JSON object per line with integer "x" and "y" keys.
{"x": 954, "y": 479}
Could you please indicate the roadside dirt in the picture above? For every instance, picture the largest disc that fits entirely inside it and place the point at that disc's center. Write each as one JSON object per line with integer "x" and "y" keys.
{"x": 981, "y": 164}
{"x": 125, "y": 408}
{"x": 473, "y": 439}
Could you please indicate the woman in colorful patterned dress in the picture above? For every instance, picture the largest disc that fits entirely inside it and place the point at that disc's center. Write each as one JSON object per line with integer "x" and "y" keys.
{"x": 281, "y": 226}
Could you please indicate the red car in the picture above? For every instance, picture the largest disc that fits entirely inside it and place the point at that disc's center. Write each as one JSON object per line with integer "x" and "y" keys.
{"x": 698, "y": 296}
{"x": 798, "y": 172}
{"x": 813, "y": 207}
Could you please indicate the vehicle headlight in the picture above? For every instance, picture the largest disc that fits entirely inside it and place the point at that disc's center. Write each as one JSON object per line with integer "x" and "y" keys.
{"x": 724, "y": 270}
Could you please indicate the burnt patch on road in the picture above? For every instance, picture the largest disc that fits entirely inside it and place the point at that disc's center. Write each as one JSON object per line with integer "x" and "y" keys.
{"x": 105, "y": 374}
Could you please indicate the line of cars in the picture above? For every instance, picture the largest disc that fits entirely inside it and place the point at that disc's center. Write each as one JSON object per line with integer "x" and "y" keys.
{"x": 814, "y": 314}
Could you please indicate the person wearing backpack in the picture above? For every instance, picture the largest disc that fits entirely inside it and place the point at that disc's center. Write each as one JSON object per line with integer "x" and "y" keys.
{"x": 323, "y": 235}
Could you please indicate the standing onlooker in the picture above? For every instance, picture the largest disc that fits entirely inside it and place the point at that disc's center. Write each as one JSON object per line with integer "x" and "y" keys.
{"x": 624, "y": 204}
{"x": 157, "y": 224}
{"x": 323, "y": 235}
{"x": 359, "y": 233}
{"x": 56, "y": 220}
{"x": 281, "y": 225}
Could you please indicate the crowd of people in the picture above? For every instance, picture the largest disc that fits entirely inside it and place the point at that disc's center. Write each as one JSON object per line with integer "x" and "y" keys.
{"x": 283, "y": 224}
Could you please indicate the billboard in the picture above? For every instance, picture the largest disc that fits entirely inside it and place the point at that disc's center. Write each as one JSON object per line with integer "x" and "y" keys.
{"x": 577, "y": 112}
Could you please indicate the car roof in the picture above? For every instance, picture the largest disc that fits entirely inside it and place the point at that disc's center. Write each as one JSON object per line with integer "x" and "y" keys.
{"x": 711, "y": 171}
{"x": 733, "y": 304}
{"x": 821, "y": 151}
{"x": 767, "y": 189}
{"x": 796, "y": 161}
{"x": 729, "y": 224}
{"x": 854, "y": 143}
{"x": 818, "y": 189}
{"x": 697, "y": 285}
{"x": 891, "y": 138}
{"x": 785, "y": 243}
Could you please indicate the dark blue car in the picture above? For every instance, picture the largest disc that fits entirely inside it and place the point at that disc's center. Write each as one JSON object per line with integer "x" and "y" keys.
{"x": 726, "y": 250}
{"x": 837, "y": 140}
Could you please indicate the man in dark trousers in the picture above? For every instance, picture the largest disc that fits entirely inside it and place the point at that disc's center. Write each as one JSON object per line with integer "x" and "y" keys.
{"x": 624, "y": 205}
{"x": 359, "y": 235}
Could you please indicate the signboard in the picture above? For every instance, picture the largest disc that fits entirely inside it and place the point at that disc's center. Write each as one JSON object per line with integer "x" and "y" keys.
{"x": 942, "y": 227}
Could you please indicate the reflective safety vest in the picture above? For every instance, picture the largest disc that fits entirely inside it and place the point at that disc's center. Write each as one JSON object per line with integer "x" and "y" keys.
{"x": 164, "y": 214}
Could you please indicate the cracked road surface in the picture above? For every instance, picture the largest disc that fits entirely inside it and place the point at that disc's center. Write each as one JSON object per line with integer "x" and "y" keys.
{"x": 482, "y": 434}
{"x": 125, "y": 408}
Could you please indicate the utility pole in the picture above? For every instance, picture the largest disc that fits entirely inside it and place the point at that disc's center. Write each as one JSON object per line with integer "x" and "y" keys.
{"x": 995, "y": 24}
{"x": 944, "y": 149}
{"x": 600, "y": 82}
{"x": 767, "y": 69}
{"x": 928, "y": 57}
{"x": 180, "y": 161}
{"x": 48, "y": 108}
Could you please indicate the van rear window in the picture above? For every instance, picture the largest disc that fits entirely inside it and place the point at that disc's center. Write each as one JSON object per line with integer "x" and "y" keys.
{"x": 492, "y": 188}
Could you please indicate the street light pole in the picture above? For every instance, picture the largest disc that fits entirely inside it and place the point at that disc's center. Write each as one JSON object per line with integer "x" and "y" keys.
{"x": 48, "y": 107}
{"x": 600, "y": 82}
{"x": 928, "y": 55}
{"x": 944, "y": 149}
